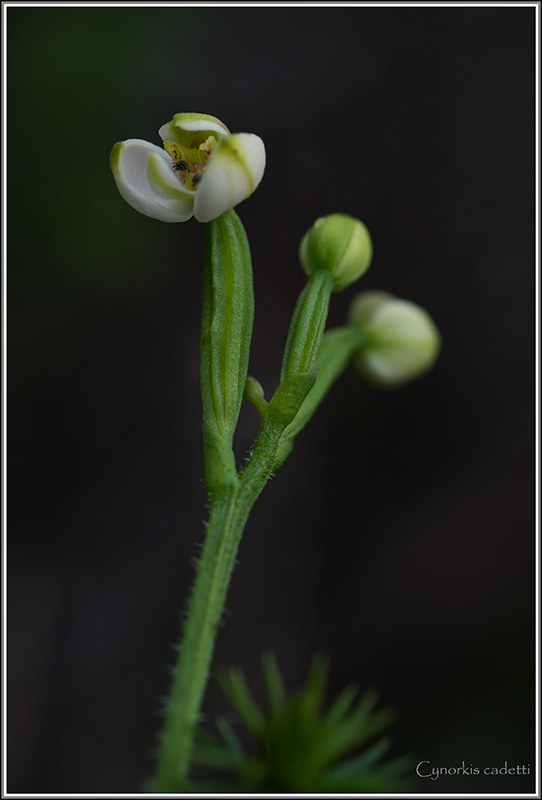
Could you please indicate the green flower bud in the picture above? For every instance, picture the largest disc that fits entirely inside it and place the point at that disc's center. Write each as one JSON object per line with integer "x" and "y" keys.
{"x": 402, "y": 341}
{"x": 339, "y": 244}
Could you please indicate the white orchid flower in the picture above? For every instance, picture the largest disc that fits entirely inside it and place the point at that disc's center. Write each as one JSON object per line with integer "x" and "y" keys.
{"x": 203, "y": 170}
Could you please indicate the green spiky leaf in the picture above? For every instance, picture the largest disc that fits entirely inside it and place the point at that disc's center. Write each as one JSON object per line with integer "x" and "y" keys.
{"x": 300, "y": 747}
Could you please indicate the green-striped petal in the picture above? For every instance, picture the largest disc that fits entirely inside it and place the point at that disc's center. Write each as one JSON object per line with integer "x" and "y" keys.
{"x": 235, "y": 169}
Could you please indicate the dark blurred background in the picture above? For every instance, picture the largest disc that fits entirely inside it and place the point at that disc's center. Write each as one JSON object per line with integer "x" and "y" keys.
{"x": 399, "y": 535}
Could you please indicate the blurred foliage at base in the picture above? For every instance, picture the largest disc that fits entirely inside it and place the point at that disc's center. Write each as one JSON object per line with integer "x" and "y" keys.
{"x": 301, "y": 748}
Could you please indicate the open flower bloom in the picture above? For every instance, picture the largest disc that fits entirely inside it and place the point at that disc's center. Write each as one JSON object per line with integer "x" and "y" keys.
{"x": 403, "y": 342}
{"x": 202, "y": 171}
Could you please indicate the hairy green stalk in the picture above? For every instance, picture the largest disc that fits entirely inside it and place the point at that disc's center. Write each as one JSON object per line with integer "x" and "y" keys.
{"x": 226, "y": 329}
{"x": 225, "y": 339}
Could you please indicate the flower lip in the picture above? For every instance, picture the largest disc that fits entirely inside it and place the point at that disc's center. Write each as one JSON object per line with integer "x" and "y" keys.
{"x": 136, "y": 164}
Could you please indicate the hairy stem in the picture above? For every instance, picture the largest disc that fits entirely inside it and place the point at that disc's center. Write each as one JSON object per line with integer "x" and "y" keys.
{"x": 226, "y": 328}
{"x": 214, "y": 570}
{"x": 226, "y": 523}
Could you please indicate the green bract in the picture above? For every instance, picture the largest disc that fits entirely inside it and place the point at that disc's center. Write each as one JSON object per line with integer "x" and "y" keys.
{"x": 339, "y": 244}
{"x": 402, "y": 340}
{"x": 202, "y": 171}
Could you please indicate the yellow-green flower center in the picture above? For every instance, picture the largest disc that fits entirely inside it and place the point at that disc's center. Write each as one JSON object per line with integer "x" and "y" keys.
{"x": 189, "y": 163}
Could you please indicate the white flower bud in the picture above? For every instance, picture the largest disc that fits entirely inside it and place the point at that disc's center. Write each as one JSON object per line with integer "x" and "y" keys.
{"x": 403, "y": 342}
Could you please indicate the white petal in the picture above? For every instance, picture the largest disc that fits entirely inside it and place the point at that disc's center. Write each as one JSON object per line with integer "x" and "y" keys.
{"x": 129, "y": 164}
{"x": 202, "y": 125}
{"x": 235, "y": 169}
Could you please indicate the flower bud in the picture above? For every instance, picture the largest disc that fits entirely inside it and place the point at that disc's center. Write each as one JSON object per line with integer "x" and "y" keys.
{"x": 402, "y": 339}
{"x": 339, "y": 244}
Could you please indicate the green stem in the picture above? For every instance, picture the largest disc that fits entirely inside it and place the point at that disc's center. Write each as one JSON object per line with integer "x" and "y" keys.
{"x": 226, "y": 328}
{"x": 226, "y": 523}
{"x": 227, "y": 314}
{"x": 229, "y": 513}
{"x": 307, "y": 325}
{"x": 214, "y": 570}
{"x": 336, "y": 350}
